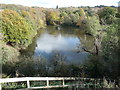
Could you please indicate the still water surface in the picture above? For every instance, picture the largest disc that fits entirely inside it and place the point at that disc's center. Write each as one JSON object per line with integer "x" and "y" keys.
{"x": 65, "y": 42}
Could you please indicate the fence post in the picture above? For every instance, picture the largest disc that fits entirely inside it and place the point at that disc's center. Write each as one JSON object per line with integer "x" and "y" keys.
{"x": 95, "y": 82}
{"x": 47, "y": 82}
{"x": 28, "y": 83}
{"x": 63, "y": 82}
{"x": 0, "y": 86}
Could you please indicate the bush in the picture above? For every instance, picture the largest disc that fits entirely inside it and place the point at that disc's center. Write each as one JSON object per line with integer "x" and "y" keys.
{"x": 7, "y": 54}
{"x": 8, "y": 58}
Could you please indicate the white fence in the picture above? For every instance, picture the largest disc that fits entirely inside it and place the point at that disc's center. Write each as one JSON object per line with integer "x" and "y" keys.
{"x": 28, "y": 79}
{"x": 81, "y": 82}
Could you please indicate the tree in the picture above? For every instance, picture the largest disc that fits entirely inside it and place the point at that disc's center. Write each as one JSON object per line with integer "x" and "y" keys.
{"x": 110, "y": 50}
{"x": 106, "y": 63}
{"x": 52, "y": 17}
{"x": 92, "y": 25}
{"x": 37, "y": 18}
{"x": 16, "y": 30}
{"x": 107, "y": 15}
{"x": 82, "y": 16}
{"x": 69, "y": 16}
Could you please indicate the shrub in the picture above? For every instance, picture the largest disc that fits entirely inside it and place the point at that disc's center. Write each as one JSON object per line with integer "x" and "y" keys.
{"x": 7, "y": 54}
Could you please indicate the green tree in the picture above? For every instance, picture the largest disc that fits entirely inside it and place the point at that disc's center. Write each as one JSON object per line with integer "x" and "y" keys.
{"x": 92, "y": 25}
{"x": 107, "y": 63}
{"x": 107, "y": 15}
{"x": 52, "y": 17}
{"x": 16, "y": 30}
{"x": 69, "y": 16}
{"x": 110, "y": 50}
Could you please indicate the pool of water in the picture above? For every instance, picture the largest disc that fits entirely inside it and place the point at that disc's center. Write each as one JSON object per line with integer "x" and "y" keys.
{"x": 62, "y": 43}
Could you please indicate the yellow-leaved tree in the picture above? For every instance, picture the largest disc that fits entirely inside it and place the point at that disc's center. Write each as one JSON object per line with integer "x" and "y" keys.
{"x": 16, "y": 30}
{"x": 82, "y": 17}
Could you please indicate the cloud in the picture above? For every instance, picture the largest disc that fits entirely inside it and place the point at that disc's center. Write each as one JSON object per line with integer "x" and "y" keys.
{"x": 87, "y": 2}
{"x": 61, "y": 3}
{"x": 40, "y": 3}
{"x": 48, "y": 43}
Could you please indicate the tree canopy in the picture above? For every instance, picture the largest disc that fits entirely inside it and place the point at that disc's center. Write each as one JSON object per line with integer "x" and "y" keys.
{"x": 16, "y": 30}
{"x": 107, "y": 15}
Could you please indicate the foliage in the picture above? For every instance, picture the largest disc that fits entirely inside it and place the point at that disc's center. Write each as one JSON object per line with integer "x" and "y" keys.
{"x": 67, "y": 20}
{"x": 13, "y": 85}
{"x": 69, "y": 16}
{"x": 33, "y": 15}
{"x": 37, "y": 18}
{"x": 81, "y": 17}
{"x": 8, "y": 54}
{"x": 110, "y": 49}
{"x": 20, "y": 23}
{"x": 110, "y": 40}
{"x": 107, "y": 15}
{"x": 58, "y": 66}
{"x": 15, "y": 29}
{"x": 8, "y": 58}
{"x": 107, "y": 62}
{"x": 90, "y": 11}
{"x": 94, "y": 67}
{"x": 52, "y": 17}
{"x": 92, "y": 25}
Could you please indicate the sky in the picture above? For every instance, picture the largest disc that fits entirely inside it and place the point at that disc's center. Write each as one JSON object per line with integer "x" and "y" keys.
{"x": 61, "y": 3}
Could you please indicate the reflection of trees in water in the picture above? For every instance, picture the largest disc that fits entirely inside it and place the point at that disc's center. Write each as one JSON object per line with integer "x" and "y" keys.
{"x": 57, "y": 66}
{"x": 30, "y": 50}
{"x": 86, "y": 45}
{"x": 103, "y": 61}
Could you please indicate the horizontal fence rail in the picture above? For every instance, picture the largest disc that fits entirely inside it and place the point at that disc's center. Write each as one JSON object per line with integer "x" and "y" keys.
{"x": 80, "y": 81}
{"x": 28, "y": 79}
